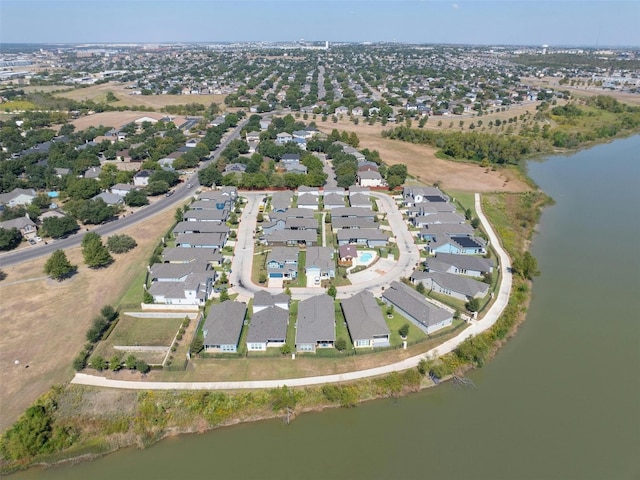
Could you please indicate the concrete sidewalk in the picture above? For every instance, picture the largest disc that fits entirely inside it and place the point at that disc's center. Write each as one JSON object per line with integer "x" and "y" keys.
{"x": 475, "y": 328}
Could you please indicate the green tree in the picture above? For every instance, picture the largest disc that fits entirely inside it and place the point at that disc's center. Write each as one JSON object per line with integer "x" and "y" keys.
{"x": 475, "y": 222}
{"x": 341, "y": 344}
{"x": 332, "y": 291}
{"x": 98, "y": 363}
{"x": 526, "y": 266}
{"x": 283, "y": 398}
{"x": 120, "y": 243}
{"x": 115, "y": 363}
{"x": 473, "y": 305}
{"x": 157, "y": 188}
{"x": 95, "y": 254}
{"x": 404, "y": 330}
{"x": 56, "y": 227}
{"x": 130, "y": 362}
{"x": 10, "y": 238}
{"x": 224, "y": 295}
{"x": 285, "y": 349}
{"x": 420, "y": 288}
{"x": 58, "y": 266}
{"x": 136, "y": 198}
{"x": 142, "y": 366}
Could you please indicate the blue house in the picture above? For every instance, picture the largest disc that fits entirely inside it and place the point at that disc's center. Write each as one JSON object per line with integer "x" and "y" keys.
{"x": 282, "y": 262}
{"x": 461, "y": 245}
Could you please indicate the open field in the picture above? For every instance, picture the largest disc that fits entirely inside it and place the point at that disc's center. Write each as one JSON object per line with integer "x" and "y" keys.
{"x": 426, "y": 167}
{"x": 43, "y": 322}
{"x": 553, "y": 82}
{"x": 98, "y": 93}
{"x": 118, "y": 119}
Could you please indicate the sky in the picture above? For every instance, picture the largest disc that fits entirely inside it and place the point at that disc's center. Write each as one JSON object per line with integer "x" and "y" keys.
{"x": 591, "y": 23}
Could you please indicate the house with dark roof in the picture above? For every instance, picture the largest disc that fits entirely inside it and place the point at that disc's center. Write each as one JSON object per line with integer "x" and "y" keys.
{"x": 371, "y": 178}
{"x": 415, "y": 308}
{"x": 319, "y": 263}
{"x": 346, "y": 254}
{"x": 268, "y": 328}
{"x": 281, "y": 201}
{"x": 413, "y": 195}
{"x": 456, "y": 286}
{"x": 339, "y": 223}
{"x": 141, "y": 178}
{"x": 175, "y": 287}
{"x": 429, "y": 208}
{"x": 459, "y": 264}
{"x": 436, "y": 218}
{"x": 263, "y": 299}
{"x": 202, "y": 240}
{"x": 18, "y": 196}
{"x": 308, "y": 200}
{"x": 316, "y": 324}
{"x": 292, "y": 238}
{"x": 458, "y": 244}
{"x": 223, "y": 326}
{"x": 433, "y": 232}
{"x": 353, "y": 212}
{"x": 24, "y": 224}
{"x": 282, "y": 262}
{"x": 365, "y": 323}
{"x": 363, "y": 236}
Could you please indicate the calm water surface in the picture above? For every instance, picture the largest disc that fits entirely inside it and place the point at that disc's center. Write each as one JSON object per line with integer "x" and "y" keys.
{"x": 560, "y": 401}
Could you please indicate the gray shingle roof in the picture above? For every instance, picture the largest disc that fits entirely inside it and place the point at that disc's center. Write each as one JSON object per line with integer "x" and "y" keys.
{"x": 442, "y": 261}
{"x": 262, "y": 298}
{"x": 456, "y": 283}
{"x": 268, "y": 324}
{"x": 187, "y": 255}
{"x": 352, "y": 212}
{"x": 200, "y": 227}
{"x": 412, "y": 302}
{"x": 316, "y": 320}
{"x": 363, "y": 316}
{"x": 224, "y": 323}
{"x": 321, "y": 257}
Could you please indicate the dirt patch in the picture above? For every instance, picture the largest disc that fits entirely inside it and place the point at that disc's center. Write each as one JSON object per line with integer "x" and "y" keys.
{"x": 43, "y": 323}
{"x": 98, "y": 93}
{"x": 553, "y": 82}
{"x": 426, "y": 167}
{"x": 118, "y": 119}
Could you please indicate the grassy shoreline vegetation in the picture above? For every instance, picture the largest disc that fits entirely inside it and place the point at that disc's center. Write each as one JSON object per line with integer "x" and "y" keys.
{"x": 73, "y": 423}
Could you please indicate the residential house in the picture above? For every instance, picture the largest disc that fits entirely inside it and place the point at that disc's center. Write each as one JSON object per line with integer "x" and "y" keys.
{"x": 308, "y": 200}
{"x": 122, "y": 189}
{"x": 202, "y": 240}
{"x": 141, "y": 178}
{"x": 363, "y": 236}
{"x": 334, "y": 191}
{"x": 353, "y": 212}
{"x": 223, "y": 327}
{"x": 292, "y": 238}
{"x": 346, "y": 254}
{"x": 370, "y": 178}
{"x": 430, "y": 208}
{"x": 282, "y": 262}
{"x": 436, "y": 218}
{"x": 283, "y": 137}
{"x": 413, "y": 195}
{"x": 263, "y": 299}
{"x": 433, "y": 231}
{"x": 459, "y": 244}
{"x": 181, "y": 284}
{"x": 459, "y": 264}
{"x": 24, "y": 224}
{"x": 303, "y": 189}
{"x": 341, "y": 110}
{"x": 297, "y": 213}
{"x": 301, "y": 224}
{"x": 360, "y": 200}
{"x": 264, "y": 123}
{"x": 274, "y": 225}
{"x": 281, "y": 201}
{"x": 235, "y": 168}
{"x": 218, "y": 198}
{"x": 319, "y": 263}
{"x": 333, "y": 200}
{"x": 252, "y": 137}
{"x": 203, "y": 215}
{"x": 339, "y": 223}
{"x": 456, "y": 286}
{"x": 316, "y": 324}
{"x": 183, "y": 227}
{"x": 17, "y": 196}
{"x": 303, "y": 134}
{"x": 192, "y": 255}
{"x": 365, "y": 323}
{"x": 414, "y": 307}
{"x": 268, "y": 328}
{"x": 357, "y": 111}
{"x": 109, "y": 198}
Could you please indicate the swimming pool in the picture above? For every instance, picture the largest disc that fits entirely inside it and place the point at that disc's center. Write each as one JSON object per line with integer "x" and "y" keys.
{"x": 366, "y": 257}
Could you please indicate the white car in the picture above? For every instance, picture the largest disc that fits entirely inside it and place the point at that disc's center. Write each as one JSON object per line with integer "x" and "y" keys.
{"x": 316, "y": 281}
{"x": 37, "y": 239}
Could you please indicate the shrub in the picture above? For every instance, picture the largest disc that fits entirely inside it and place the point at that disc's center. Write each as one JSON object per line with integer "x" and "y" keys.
{"x": 341, "y": 344}
{"x": 142, "y": 366}
{"x": 404, "y": 330}
{"x": 120, "y": 243}
{"x": 285, "y": 349}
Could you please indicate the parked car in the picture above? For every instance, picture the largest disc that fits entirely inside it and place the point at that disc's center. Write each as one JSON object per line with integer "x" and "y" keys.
{"x": 169, "y": 193}
{"x": 316, "y": 281}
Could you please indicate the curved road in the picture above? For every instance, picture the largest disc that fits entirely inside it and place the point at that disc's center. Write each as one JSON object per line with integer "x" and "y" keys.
{"x": 476, "y": 327}
{"x": 181, "y": 193}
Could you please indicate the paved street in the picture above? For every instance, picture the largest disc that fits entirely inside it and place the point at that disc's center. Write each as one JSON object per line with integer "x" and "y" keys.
{"x": 490, "y": 317}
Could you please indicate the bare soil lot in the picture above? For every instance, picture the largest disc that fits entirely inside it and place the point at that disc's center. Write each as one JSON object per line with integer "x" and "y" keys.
{"x": 426, "y": 167}
{"x": 118, "y": 119}
{"x": 98, "y": 93}
{"x": 43, "y": 322}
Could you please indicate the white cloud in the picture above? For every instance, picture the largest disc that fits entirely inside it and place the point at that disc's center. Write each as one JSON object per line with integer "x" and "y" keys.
{"x": 455, "y": 6}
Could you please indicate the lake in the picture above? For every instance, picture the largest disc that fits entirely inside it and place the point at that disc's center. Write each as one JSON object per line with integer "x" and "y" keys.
{"x": 560, "y": 401}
